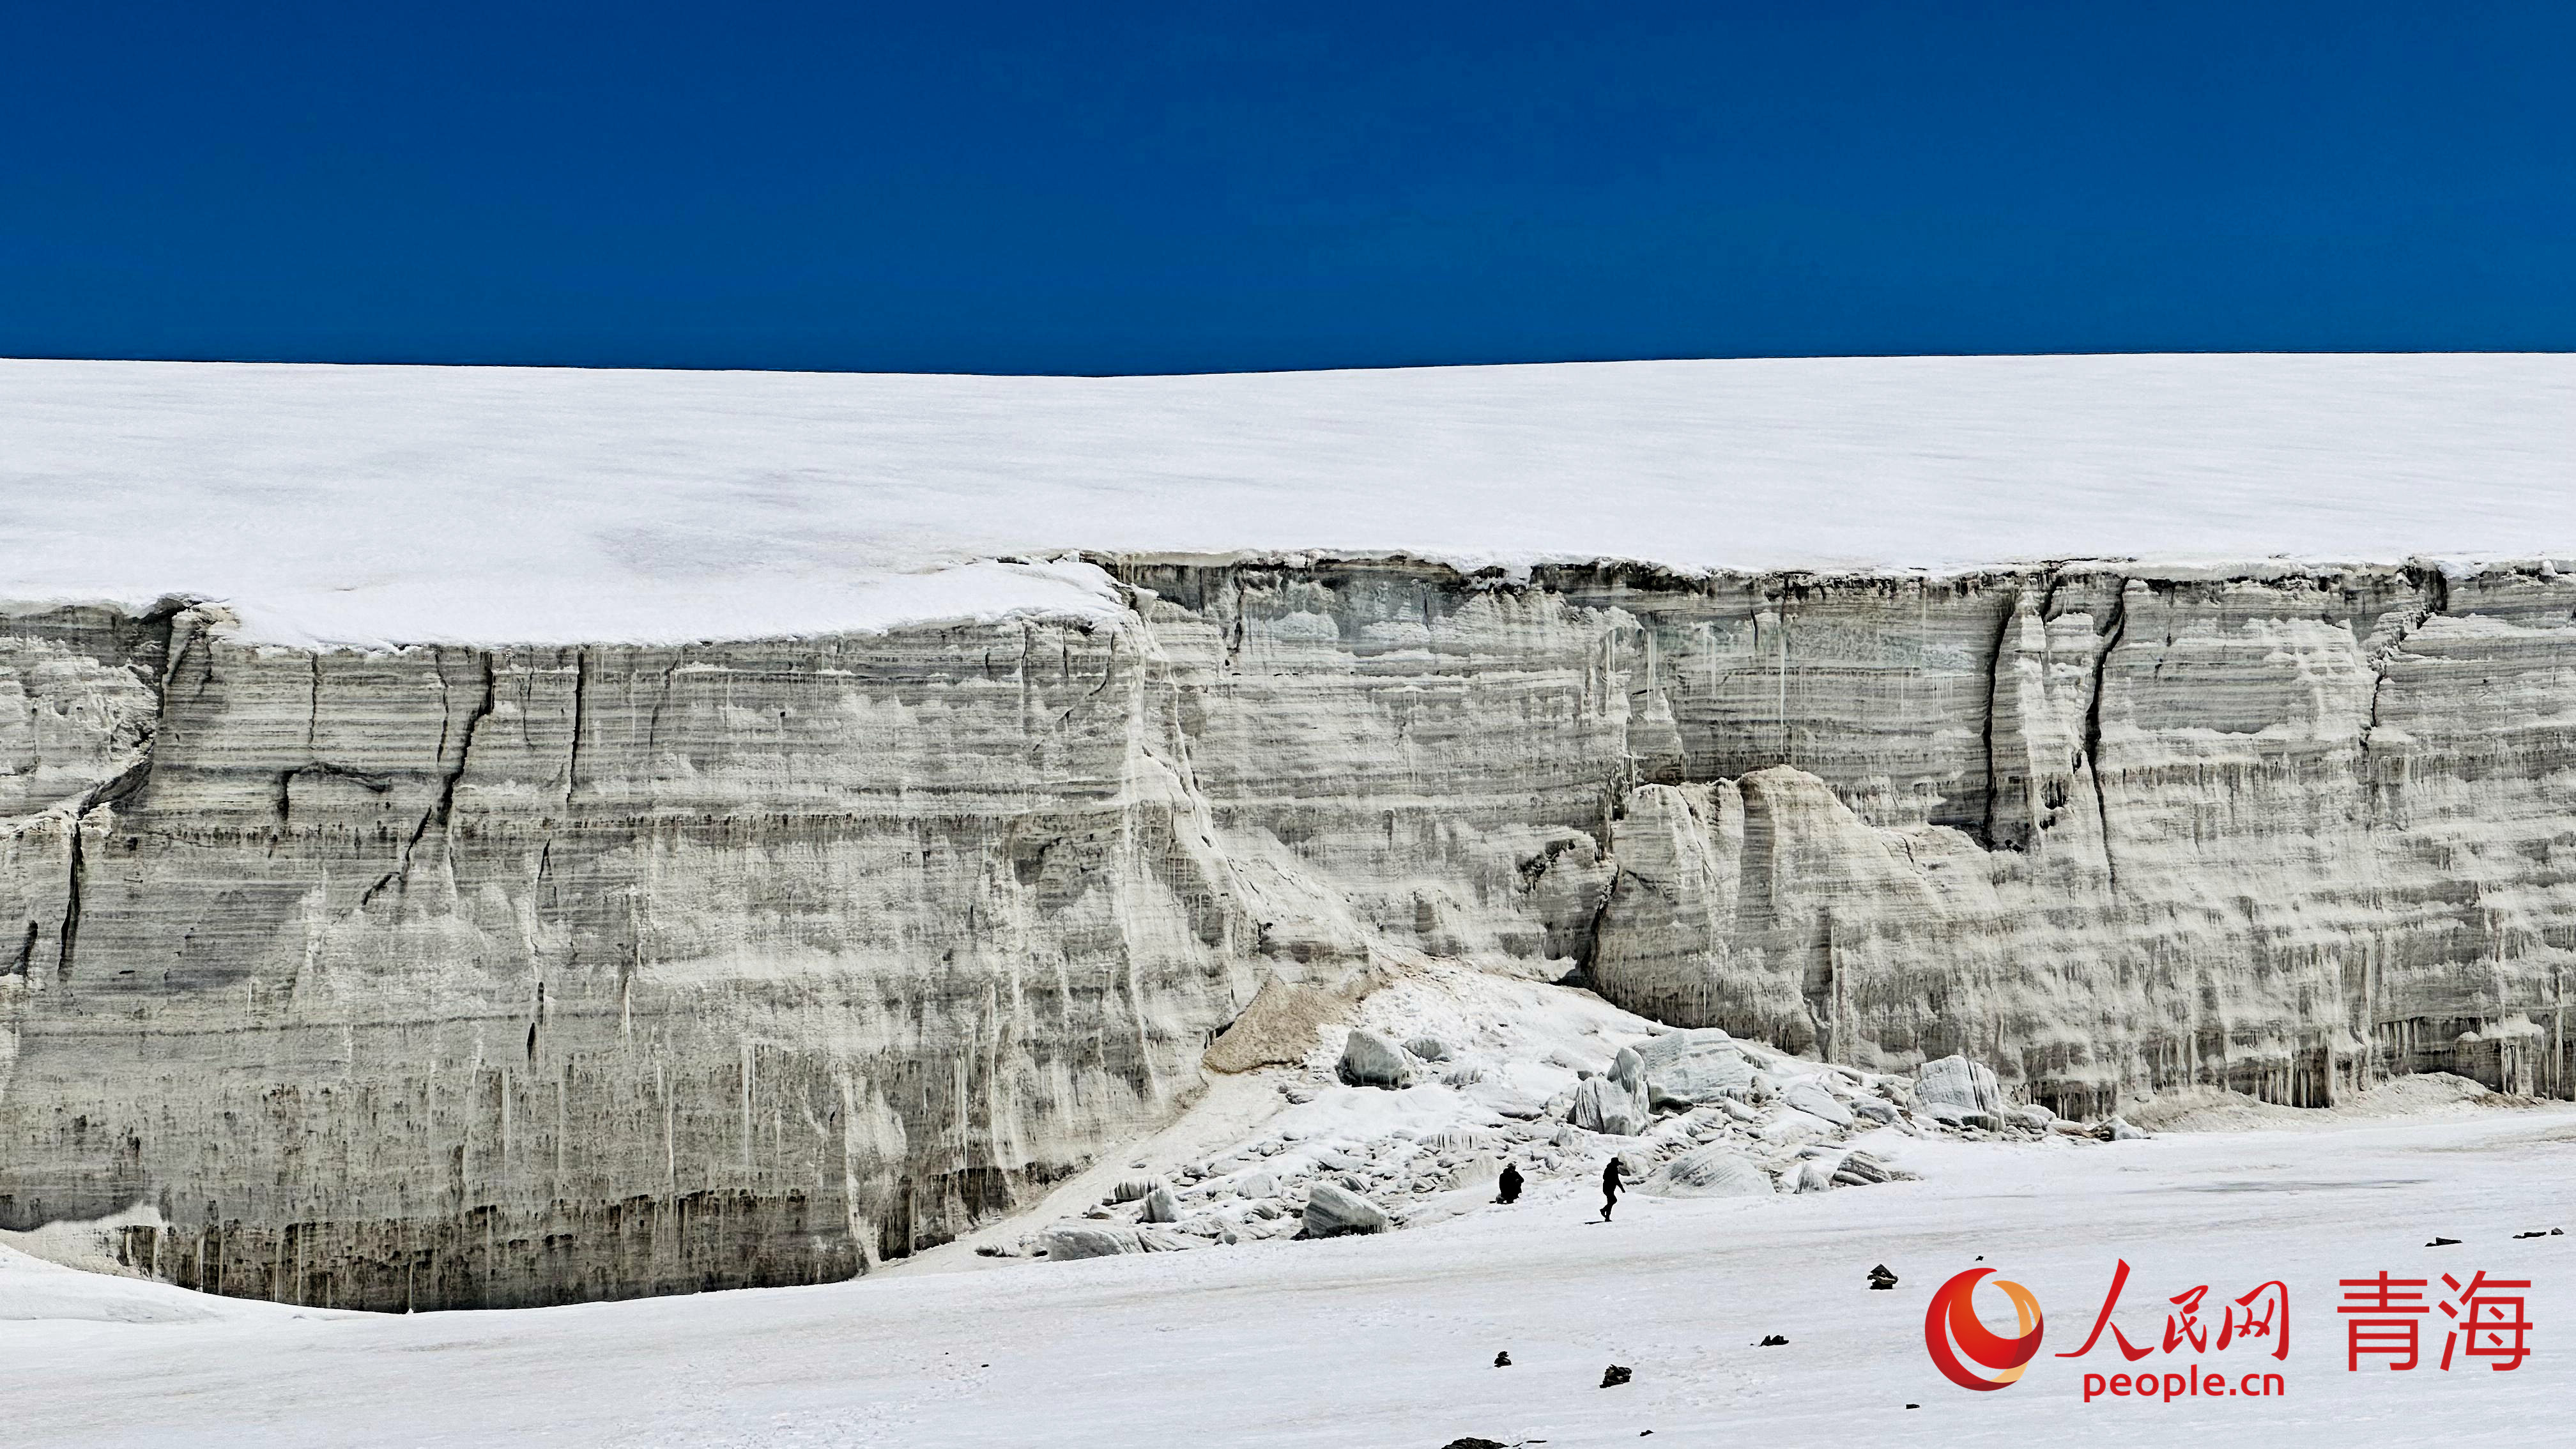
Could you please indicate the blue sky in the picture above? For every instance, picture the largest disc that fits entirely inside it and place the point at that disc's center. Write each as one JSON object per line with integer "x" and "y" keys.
{"x": 1010, "y": 188}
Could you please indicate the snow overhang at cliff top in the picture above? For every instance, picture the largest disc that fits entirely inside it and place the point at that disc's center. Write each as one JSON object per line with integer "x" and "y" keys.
{"x": 367, "y": 505}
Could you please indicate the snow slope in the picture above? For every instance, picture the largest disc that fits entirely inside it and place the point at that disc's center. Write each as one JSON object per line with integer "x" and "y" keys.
{"x": 372, "y": 504}
{"x": 1389, "y": 1341}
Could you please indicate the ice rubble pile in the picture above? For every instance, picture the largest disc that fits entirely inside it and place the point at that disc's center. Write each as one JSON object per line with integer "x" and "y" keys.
{"x": 1375, "y": 1136}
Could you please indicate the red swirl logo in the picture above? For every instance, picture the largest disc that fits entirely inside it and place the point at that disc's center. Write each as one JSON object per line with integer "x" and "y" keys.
{"x": 1953, "y": 1318}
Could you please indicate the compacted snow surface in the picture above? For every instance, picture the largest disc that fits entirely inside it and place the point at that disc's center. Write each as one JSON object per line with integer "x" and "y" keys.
{"x": 1389, "y": 1341}
{"x": 367, "y": 505}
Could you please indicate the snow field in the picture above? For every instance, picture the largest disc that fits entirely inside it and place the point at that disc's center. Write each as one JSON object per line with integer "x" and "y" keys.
{"x": 1389, "y": 1340}
{"x": 370, "y": 506}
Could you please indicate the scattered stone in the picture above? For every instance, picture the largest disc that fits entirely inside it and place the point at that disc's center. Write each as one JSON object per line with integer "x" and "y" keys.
{"x": 1257, "y": 1185}
{"x": 1474, "y": 1443}
{"x": 1717, "y": 1170}
{"x": 1480, "y": 1173}
{"x": 1955, "y": 1089}
{"x": 1503, "y": 1359}
{"x": 1875, "y": 1109}
{"x": 1692, "y": 1068}
{"x": 2551, "y": 1233}
{"x": 2443, "y": 1243}
{"x": 1613, "y": 1376}
{"x": 1429, "y": 1048}
{"x": 1072, "y": 1241}
{"x": 1880, "y": 1278}
{"x": 1665, "y": 1048}
{"x": 1772, "y": 1340}
{"x": 1815, "y": 1101}
{"x": 2117, "y": 1129}
{"x": 1602, "y": 1105}
{"x": 1629, "y": 1070}
{"x": 1504, "y": 1099}
{"x": 1129, "y": 1189}
{"x": 1860, "y": 1169}
{"x": 1370, "y": 1060}
{"x": 1788, "y": 1128}
{"x": 1333, "y": 1211}
{"x": 1161, "y": 1206}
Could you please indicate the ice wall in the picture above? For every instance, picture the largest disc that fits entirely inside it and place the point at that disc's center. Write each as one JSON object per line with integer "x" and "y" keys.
{"x": 453, "y": 976}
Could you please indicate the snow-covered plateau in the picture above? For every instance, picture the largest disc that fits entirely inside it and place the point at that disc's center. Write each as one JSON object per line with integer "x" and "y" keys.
{"x": 478, "y": 839}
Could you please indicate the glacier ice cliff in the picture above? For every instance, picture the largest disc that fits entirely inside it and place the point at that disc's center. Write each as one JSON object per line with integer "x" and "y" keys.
{"x": 450, "y": 976}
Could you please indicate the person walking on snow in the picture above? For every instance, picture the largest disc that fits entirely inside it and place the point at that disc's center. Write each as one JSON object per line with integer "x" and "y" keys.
{"x": 1611, "y": 1177}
